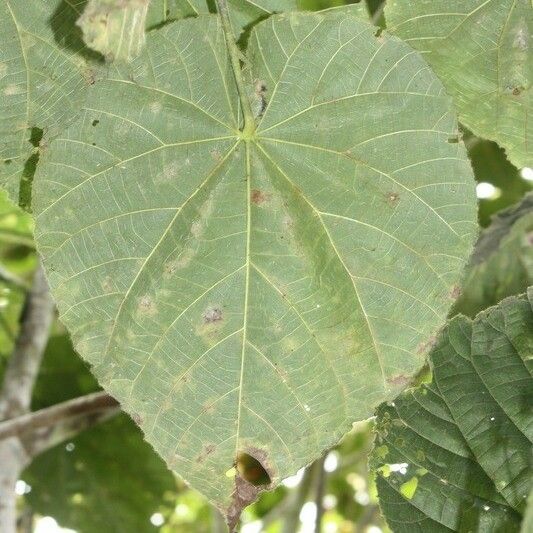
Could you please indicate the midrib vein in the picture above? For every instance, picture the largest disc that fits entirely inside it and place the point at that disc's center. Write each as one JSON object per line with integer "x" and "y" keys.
{"x": 246, "y": 292}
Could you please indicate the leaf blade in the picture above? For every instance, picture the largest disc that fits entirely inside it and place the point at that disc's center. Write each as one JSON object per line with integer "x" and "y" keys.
{"x": 204, "y": 288}
{"x": 493, "y": 68}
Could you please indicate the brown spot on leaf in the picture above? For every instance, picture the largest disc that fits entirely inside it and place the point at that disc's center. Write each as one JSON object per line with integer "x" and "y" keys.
{"x": 259, "y": 197}
{"x": 243, "y": 495}
{"x": 207, "y": 450}
{"x": 425, "y": 347}
{"x": 517, "y": 90}
{"x": 216, "y": 155}
{"x": 455, "y": 292}
{"x": 212, "y": 314}
{"x": 89, "y": 76}
{"x": 146, "y": 305}
{"x": 392, "y": 198}
{"x": 260, "y": 90}
{"x": 137, "y": 418}
{"x": 400, "y": 380}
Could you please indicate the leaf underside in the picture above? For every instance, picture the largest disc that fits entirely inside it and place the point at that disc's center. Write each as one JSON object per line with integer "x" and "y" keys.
{"x": 242, "y": 12}
{"x": 45, "y": 70}
{"x": 257, "y": 295}
{"x": 481, "y": 51}
{"x": 463, "y": 441}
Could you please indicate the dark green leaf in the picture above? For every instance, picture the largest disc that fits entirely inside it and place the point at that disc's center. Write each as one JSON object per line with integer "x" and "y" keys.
{"x": 502, "y": 263}
{"x": 454, "y": 455}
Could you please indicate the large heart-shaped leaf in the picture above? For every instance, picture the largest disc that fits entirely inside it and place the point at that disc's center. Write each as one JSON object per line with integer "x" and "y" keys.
{"x": 480, "y": 50}
{"x": 455, "y": 455}
{"x": 45, "y": 70}
{"x": 257, "y": 292}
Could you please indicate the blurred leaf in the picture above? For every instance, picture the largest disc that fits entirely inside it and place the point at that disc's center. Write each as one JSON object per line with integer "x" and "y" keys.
{"x": 491, "y": 165}
{"x": 16, "y": 226}
{"x": 502, "y": 263}
{"x": 17, "y": 260}
{"x": 106, "y": 479}
{"x": 480, "y": 50}
{"x": 115, "y": 28}
{"x": 454, "y": 454}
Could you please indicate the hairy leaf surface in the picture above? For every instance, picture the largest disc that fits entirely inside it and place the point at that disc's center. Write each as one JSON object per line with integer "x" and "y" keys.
{"x": 454, "y": 455}
{"x": 481, "y": 51}
{"x": 257, "y": 293}
{"x": 45, "y": 70}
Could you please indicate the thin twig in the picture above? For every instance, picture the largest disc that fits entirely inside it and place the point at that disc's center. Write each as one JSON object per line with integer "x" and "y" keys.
{"x": 16, "y": 391}
{"x": 11, "y": 279}
{"x": 319, "y": 492}
{"x": 292, "y": 516}
{"x": 59, "y": 413}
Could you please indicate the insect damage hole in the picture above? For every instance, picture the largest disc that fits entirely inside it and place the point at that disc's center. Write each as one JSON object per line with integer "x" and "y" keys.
{"x": 251, "y": 477}
{"x": 251, "y": 470}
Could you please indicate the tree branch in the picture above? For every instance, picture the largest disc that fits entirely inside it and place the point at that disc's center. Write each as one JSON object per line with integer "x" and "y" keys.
{"x": 12, "y": 279}
{"x": 24, "y": 363}
{"x": 16, "y": 391}
{"x": 65, "y": 414}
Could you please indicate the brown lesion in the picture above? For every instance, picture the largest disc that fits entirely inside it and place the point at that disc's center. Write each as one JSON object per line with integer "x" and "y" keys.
{"x": 401, "y": 380}
{"x": 207, "y": 451}
{"x": 425, "y": 347}
{"x": 212, "y": 314}
{"x": 392, "y": 198}
{"x": 259, "y": 197}
{"x": 455, "y": 292}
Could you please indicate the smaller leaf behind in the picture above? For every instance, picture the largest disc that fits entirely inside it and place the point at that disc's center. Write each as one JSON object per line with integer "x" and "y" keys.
{"x": 502, "y": 262}
{"x": 454, "y": 454}
{"x": 115, "y": 28}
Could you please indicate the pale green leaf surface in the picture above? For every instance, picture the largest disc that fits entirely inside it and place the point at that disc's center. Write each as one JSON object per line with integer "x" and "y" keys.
{"x": 115, "y": 28}
{"x": 242, "y": 12}
{"x": 257, "y": 295}
{"x": 481, "y": 51}
{"x": 44, "y": 73}
{"x": 502, "y": 262}
{"x": 466, "y": 437}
